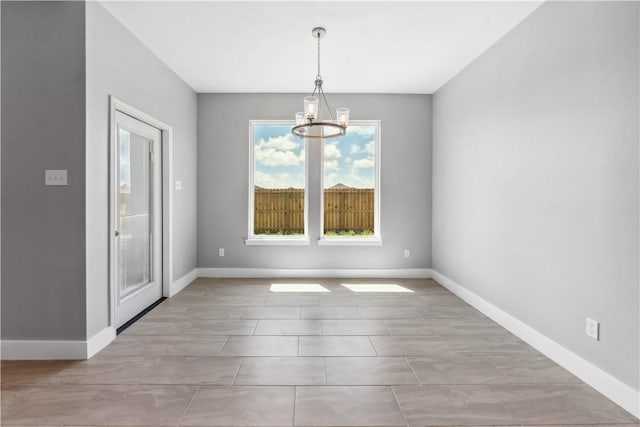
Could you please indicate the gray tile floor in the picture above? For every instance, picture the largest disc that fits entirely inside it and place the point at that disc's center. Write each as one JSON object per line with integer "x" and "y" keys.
{"x": 232, "y": 353}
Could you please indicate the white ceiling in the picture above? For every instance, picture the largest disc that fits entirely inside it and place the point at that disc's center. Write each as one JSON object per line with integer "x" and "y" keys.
{"x": 370, "y": 47}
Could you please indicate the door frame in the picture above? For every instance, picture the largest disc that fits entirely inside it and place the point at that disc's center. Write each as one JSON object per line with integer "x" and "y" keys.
{"x": 166, "y": 130}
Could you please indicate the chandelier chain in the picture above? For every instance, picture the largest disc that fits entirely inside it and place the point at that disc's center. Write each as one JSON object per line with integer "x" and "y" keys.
{"x": 318, "y": 54}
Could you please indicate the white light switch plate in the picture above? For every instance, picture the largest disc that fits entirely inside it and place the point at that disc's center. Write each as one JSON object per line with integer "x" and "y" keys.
{"x": 55, "y": 177}
{"x": 178, "y": 184}
{"x": 593, "y": 329}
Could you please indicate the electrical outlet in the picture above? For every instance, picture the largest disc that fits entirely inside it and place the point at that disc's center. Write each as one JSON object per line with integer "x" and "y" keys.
{"x": 593, "y": 329}
{"x": 220, "y": 251}
{"x": 407, "y": 253}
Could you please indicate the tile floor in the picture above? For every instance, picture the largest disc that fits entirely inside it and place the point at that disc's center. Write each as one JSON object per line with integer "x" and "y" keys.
{"x": 232, "y": 353}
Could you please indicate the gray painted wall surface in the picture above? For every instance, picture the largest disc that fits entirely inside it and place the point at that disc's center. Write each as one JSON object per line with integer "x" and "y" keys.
{"x": 223, "y": 174}
{"x": 535, "y": 178}
{"x": 118, "y": 64}
{"x": 43, "y": 117}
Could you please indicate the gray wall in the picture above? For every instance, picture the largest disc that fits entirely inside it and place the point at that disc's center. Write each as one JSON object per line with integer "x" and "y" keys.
{"x": 43, "y": 117}
{"x": 118, "y": 64}
{"x": 223, "y": 174}
{"x": 535, "y": 178}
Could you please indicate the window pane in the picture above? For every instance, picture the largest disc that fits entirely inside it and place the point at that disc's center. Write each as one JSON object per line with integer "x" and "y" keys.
{"x": 279, "y": 181}
{"x": 349, "y": 182}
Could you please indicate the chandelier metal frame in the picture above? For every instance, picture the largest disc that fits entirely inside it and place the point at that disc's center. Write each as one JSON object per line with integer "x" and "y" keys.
{"x": 306, "y": 124}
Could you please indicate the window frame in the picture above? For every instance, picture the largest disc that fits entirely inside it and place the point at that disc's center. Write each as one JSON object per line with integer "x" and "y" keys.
{"x": 376, "y": 238}
{"x": 258, "y": 239}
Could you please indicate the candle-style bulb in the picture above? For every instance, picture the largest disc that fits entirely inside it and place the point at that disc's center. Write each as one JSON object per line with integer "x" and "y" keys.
{"x": 343, "y": 116}
{"x": 311, "y": 107}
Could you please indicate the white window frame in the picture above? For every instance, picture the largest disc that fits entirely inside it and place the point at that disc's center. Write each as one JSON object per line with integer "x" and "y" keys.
{"x": 252, "y": 238}
{"x": 376, "y": 238}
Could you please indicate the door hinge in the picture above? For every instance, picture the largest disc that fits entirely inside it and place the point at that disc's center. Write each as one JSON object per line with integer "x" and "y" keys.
{"x": 151, "y": 156}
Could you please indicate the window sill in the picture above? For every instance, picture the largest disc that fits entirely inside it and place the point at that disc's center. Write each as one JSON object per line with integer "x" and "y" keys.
{"x": 350, "y": 241}
{"x": 277, "y": 242}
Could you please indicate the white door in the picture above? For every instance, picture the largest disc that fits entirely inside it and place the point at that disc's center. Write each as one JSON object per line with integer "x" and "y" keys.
{"x": 138, "y": 217}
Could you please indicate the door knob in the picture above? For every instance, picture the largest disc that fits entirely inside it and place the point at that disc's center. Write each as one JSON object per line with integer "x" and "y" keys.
{"x": 117, "y": 233}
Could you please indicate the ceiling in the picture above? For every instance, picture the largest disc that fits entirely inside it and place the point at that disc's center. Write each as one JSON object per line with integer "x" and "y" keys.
{"x": 267, "y": 46}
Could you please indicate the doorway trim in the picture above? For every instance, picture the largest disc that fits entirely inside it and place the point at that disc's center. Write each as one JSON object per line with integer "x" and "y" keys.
{"x": 116, "y": 104}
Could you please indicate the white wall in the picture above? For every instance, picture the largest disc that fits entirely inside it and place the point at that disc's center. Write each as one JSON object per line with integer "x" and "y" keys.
{"x": 118, "y": 64}
{"x": 223, "y": 175}
{"x": 535, "y": 178}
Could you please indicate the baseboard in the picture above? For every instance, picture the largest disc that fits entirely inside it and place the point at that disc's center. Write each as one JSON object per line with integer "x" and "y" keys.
{"x": 183, "y": 282}
{"x": 611, "y": 387}
{"x": 100, "y": 341}
{"x": 302, "y": 273}
{"x": 56, "y": 350}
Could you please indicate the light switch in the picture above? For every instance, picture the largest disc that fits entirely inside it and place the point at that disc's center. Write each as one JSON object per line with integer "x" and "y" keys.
{"x": 178, "y": 185}
{"x": 55, "y": 177}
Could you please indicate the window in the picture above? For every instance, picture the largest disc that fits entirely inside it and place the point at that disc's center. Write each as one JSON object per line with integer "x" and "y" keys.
{"x": 351, "y": 186}
{"x": 277, "y": 185}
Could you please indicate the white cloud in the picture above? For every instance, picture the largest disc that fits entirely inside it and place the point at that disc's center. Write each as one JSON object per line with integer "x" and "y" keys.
{"x": 355, "y": 149}
{"x": 330, "y": 180}
{"x": 331, "y": 165}
{"x": 331, "y": 152}
{"x": 273, "y": 157}
{"x": 282, "y": 180}
{"x": 362, "y": 175}
{"x": 278, "y": 151}
{"x": 284, "y": 143}
{"x": 331, "y": 155}
{"x": 363, "y": 163}
{"x": 359, "y": 181}
{"x": 369, "y": 130}
{"x": 370, "y": 147}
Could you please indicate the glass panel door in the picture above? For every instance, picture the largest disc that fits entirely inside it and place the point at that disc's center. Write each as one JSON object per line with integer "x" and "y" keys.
{"x": 134, "y": 213}
{"x": 137, "y": 214}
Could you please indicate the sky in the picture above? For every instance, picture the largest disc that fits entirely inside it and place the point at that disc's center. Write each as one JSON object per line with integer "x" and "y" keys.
{"x": 279, "y": 157}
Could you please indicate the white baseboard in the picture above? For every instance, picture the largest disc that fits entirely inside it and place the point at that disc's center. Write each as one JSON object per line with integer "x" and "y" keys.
{"x": 299, "y": 273}
{"x": 611, "y": 387}
{"x": 100, "y": 341}
{"x": 183, "y": 282}
{"x": 56, "y": 350}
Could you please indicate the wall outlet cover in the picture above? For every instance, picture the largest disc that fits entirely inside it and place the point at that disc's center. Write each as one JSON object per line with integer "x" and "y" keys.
{"x": 593, "y": 328}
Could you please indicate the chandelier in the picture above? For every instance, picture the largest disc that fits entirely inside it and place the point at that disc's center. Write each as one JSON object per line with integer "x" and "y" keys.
{"x": 309, "y": 123}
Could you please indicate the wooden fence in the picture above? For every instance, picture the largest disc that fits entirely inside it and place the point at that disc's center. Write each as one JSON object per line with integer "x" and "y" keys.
{"x": 281, "y": 211}
{"x": 348, "y": 209}
{"x": 278, "y": 211}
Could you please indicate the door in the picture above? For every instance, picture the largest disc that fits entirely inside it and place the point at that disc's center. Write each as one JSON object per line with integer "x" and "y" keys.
{"x": 138, "y": 217}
